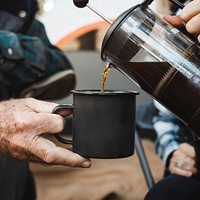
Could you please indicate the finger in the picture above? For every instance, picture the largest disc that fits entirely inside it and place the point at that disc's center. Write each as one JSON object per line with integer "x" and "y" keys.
{"x": 49, "y": 153}
{"x": 187, "y": 166}
{"x": 188, "y": 150}
{"x": 179, "y": 171}
{"x": 189, "y": 11}
{"x": 193, "y": 26}
{"x": 40, "y": 106}
{"x": 41, "y": 123}
{"x": 173, "y": 20}
{"x": 177, "y": 155}
{"x": 46, "y": 107}
{"x": 181, "y": 159}
{"x": 182, "y": 164}
{"x": 51, "y": 123}
{"x": 68, "y": 158}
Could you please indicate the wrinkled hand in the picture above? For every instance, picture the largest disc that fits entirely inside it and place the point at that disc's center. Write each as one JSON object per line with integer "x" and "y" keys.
{"x": 189, "y": 16}
{"x": 22, "y": 125}
{"x": 183, "y": 161}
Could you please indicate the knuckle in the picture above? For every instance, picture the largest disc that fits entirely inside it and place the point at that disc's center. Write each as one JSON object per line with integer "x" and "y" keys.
{"x": 175, "y": 153}
{"x": 20, "y": 124}
{"x": 49, "y": 156}
{"x": 74, "y": 162}
{"x": 190, "y": 28}
{"x": 59, "y": 123}
{"x": 183, "y": 146}
{"x": 181, "y": 164}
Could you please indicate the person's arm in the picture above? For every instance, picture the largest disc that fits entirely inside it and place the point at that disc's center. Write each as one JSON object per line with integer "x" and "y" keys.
{"x": 53, "y": 57}
{"x": 23, "y": 124}
{"x": 170, "y": 135}
{"x": 30, "y": 57}
{"x": 167, "y": 130}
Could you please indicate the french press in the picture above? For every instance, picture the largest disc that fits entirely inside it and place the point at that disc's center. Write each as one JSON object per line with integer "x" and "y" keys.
{"x": 159, "y": 58}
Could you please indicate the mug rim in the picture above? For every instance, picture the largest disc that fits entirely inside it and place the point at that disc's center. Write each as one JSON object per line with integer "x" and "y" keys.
{"x": 106, "y": 92}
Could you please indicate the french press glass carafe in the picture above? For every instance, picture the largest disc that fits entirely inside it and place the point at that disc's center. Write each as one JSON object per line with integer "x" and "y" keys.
{"x": 159, "y": 58}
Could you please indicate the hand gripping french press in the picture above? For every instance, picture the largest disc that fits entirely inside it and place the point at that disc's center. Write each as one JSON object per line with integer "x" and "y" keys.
{"x": 159, "y": 58}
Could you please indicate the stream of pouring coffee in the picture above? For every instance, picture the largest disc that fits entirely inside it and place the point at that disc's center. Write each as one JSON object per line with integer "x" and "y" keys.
{"x": 107, "y": 68}
{"x": 104, "y": 76}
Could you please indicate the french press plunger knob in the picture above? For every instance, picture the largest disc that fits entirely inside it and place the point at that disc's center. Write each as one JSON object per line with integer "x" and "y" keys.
{"x": 80, "y": 3}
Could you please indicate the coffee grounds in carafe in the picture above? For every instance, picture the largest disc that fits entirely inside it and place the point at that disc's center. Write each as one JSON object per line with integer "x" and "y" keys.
{"x": 169, "y": 87}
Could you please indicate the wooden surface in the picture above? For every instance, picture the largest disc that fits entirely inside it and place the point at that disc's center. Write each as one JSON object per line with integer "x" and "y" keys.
{"x": 117, "y": 179}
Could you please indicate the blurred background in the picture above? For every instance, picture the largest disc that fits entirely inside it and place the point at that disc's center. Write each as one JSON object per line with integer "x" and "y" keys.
{"x": 79, "y": 33}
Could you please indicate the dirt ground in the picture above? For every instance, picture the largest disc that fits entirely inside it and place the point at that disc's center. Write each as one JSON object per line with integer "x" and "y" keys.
{"x": 114, "y": 179}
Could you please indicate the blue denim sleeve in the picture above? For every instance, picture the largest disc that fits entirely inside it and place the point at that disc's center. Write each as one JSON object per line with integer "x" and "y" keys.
{"x": 27, "y": 58}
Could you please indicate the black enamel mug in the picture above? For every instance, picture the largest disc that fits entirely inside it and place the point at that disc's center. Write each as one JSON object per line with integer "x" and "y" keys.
{"x": 103, "y": 124}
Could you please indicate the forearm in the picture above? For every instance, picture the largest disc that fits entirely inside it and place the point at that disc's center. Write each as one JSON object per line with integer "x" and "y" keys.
{"x": 26, "y": 59}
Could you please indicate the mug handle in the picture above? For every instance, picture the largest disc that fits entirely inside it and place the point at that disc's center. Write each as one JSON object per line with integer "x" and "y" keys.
{"x": 58, "y": 110}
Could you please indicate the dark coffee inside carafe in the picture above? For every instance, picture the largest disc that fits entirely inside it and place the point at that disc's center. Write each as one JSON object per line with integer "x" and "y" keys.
{"x": 169, "y": 86}
{"x": 159, "y": 59}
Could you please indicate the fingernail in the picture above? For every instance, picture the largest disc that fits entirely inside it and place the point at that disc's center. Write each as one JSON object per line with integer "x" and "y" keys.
{"x": 86, "y": 164}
